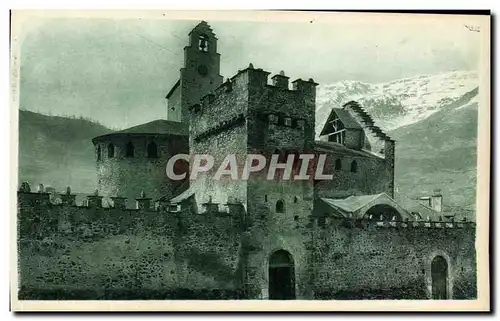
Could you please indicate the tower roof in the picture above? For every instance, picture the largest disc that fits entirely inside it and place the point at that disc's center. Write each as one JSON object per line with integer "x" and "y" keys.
{"x": 203, "y": 27}
{"x": 156, "y": 127}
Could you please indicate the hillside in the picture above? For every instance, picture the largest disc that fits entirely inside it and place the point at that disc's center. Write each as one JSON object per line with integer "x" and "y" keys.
{"x": 57, "y": 151}
{"x": 433, "y": 119}
{"x": 400, "y": 102}
{"x": 439, "y": 152}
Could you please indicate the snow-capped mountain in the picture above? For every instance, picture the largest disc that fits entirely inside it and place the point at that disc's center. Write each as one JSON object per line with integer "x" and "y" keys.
{"x": 400, "y": 102}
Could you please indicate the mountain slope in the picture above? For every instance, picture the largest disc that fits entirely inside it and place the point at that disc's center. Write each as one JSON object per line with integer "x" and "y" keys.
{"x": 57, "y": 151}
{"x": 400, "y": 102}
{"x": 433, "y": 119}
{"x": 440, "y": 152}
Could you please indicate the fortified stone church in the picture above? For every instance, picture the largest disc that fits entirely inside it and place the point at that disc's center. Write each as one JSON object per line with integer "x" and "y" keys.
{"x": 344, "y": 238}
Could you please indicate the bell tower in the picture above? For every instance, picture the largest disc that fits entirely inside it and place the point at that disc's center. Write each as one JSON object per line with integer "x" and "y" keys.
{"x": 199, "y": 75}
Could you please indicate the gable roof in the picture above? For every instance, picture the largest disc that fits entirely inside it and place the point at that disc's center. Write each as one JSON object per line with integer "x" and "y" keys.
{"x": 347, "y": 120}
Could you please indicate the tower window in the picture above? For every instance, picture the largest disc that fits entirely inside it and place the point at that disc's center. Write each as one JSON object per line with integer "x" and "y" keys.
{"x": 338, "y": 164}
{"x": 280, "y": 206}
{"x": 203, "y": 43}
{"x": 98, "y": 151}
{"x": 354, "y": 166}
{"x": 111, "y": 150}
{"x": 152, "y": 150}
{"x": 129, "y": 150}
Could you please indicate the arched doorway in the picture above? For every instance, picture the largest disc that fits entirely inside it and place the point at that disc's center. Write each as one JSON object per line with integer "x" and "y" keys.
{"x": 439, "y": 275}
{"x": 383, "y": 212}
{"x": 281, "y": 276}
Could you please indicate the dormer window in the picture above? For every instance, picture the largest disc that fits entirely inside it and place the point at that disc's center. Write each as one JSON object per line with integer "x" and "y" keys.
{"x": 203, "y": 43}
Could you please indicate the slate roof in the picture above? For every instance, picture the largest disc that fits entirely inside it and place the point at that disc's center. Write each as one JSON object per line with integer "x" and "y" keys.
{"x": 155, "y": 127}
{"x": 352, "y": 203}
{"x": 344, "y": 116}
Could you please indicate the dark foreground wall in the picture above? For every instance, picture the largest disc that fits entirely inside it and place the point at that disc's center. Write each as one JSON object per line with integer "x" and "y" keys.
{"x": 392, "y": 260}
{"x": 72, "y": 252}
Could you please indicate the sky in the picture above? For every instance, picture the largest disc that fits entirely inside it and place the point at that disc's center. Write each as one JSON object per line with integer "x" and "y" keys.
{"x": 118, "y": 71}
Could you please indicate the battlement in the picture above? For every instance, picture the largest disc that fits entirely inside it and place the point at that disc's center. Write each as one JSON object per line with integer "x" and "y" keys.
{"x": 326, "y": 222}
{"x": 93, "y": 201}
{"x": 187, "y": 210}
{"x": 248, "y": 99}
{"x": 258, "y": 80}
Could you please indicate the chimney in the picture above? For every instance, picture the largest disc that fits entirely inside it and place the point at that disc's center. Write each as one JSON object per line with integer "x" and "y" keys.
{"x": 436, "y": 201}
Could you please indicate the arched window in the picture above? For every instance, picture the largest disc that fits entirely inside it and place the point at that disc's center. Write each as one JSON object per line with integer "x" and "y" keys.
{"x": 111, "y": 150}
{"x": 98, "y": 152}
{"x": 152, "y": 150}
{"x": 338, "y": 164}
{"x": 129, "y": 150}
{"x": 280, "y": 206}
{"x": 203, "y": 43}
{"x": 354, "y": 166}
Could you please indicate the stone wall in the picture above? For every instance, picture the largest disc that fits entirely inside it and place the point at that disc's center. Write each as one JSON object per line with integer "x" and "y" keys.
{"x": 384, "y": 260}
{"x": 174, "y": 105}
{"x": 373, "y": 175}
{"x": 115, "y": 175}
{"x": 270, "y": 229}
{"x": 82, "y": 252}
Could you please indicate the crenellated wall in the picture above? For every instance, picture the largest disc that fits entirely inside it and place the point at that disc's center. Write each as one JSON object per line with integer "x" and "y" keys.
{"x": 98, "y": 252}
{"x": 392, "y": 260}
{"x": 163, "y": 251}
